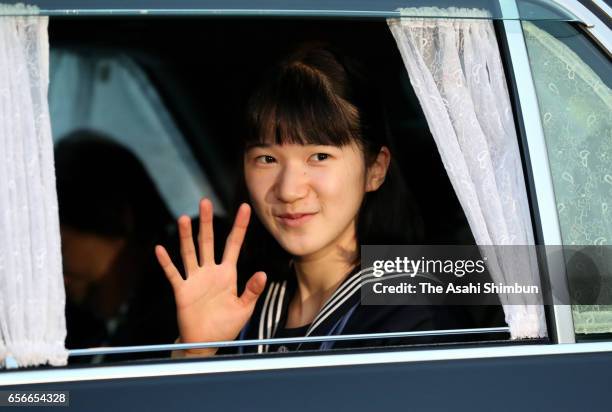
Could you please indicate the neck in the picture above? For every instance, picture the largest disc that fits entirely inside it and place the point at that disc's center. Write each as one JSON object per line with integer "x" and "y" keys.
{"x": 114, "y": 289}
{"x": 318, "y": 276}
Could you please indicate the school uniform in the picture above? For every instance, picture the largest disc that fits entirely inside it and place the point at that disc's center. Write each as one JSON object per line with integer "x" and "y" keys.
{"x": 343, "y": 314}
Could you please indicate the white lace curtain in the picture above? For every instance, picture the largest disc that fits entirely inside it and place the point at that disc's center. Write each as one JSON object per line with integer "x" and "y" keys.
{"x": 456, "y": 71}
{"x": 32, "y": 299}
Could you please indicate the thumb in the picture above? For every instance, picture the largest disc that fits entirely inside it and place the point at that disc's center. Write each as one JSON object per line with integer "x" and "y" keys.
{"x": 253, "y": 289}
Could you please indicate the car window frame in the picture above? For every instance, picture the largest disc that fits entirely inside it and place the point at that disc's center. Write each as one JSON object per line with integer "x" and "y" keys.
{"x": 539, "y": 176}
{"x": 560, "y": 322}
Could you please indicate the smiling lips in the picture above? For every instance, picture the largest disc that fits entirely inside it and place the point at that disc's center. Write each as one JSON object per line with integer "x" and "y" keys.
{"x": 294, "y": 219}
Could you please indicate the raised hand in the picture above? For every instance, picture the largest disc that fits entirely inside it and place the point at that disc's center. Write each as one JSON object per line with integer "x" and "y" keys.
{"x": 207, "y": 303}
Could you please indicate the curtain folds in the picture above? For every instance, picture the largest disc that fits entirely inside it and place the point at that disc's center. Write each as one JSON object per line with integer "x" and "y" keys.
{"x": 456, "y": 71}
{"x": 32, "y": 298}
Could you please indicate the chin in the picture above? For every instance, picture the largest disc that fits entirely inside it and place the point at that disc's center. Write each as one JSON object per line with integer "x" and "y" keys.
{"x": 298, "y": 249}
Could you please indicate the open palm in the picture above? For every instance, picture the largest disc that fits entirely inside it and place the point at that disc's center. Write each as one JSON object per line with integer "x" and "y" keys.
{"x": 208, "y": 306}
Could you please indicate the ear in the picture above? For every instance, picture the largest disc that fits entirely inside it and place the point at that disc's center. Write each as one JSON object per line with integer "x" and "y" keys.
{"x": 377, "y": 171}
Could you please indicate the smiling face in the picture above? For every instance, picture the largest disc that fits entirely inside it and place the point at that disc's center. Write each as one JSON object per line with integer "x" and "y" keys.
{"x": 308, "y": 126}
{"x": 308, "y": 196}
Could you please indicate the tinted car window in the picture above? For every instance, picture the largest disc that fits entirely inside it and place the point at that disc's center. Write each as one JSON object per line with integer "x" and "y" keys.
{"x": 107, "y": 91}
{"x": 199, "y": 97}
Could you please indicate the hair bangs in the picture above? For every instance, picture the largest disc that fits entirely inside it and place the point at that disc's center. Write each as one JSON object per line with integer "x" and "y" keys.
{"x": 298, "y": 106}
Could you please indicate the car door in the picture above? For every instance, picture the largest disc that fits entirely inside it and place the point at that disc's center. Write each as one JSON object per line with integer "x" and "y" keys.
{"x": 568, "y": 371}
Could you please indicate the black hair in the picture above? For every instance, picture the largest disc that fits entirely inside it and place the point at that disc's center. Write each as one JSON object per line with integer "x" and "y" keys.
{"x": 104, "y": 189}
{"x": 318, "y": 95}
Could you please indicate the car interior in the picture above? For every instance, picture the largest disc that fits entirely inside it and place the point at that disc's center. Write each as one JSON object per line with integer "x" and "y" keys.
{"x": 203, "y": 83}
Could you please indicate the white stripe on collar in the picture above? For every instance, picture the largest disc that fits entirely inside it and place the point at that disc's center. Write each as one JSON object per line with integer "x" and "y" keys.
{"x": 262, "y": 318}
{"x": 348, "y": 287}
{"x": 272, "y": 320}
{"x": 340, "y": 296}
{"x": 340, "y": 292}
{"x": 279, "y": 307}
{"x": 273, "y": 304}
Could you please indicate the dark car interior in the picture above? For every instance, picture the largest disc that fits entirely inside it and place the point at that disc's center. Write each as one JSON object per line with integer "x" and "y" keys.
{"x": 204, "y": 70}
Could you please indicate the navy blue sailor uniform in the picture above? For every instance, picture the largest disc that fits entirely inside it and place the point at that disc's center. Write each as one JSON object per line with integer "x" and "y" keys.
{"x": 342, "y": 314}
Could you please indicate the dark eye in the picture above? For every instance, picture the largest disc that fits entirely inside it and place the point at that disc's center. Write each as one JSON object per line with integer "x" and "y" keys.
{"x": 265, "y": 159}
{"x": 319, "y": 157}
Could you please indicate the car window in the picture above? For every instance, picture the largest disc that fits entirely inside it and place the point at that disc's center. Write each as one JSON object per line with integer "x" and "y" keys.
{"x": 573, "y": 79}
{"x": 178, "y": 113}
{"x": 108, "y": 92}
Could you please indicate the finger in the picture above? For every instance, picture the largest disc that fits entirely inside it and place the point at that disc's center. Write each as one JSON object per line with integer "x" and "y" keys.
{"x": 236, "y": 237}
{"x": 254, "y": 287}
{"x": 188, "y": 253}
{"x": 170, "y": 270}
{"x": 206, "y": 238}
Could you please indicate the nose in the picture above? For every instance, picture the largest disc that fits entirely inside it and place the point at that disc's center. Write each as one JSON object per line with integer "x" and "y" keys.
{"x": 292, "y": 183}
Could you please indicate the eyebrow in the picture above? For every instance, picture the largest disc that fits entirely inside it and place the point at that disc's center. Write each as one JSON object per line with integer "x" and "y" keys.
{"x": 268, "y": 145}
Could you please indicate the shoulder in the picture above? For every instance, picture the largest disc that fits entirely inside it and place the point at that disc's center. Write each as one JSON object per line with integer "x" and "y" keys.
{"x": 404, "y": 318}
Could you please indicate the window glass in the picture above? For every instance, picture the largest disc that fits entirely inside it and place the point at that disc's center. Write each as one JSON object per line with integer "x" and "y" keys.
{"x": 573, "y": 80}
{"x": 109, "y": 93}
{"x": 171, "y": 105}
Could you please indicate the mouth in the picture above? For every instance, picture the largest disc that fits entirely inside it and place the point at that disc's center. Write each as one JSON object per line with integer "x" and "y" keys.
{"x": 294, "y": 219}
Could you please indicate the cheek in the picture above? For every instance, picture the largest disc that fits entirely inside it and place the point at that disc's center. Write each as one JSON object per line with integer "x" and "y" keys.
{"x": 258, "y": 185}
{"x": 344, "y": 185}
